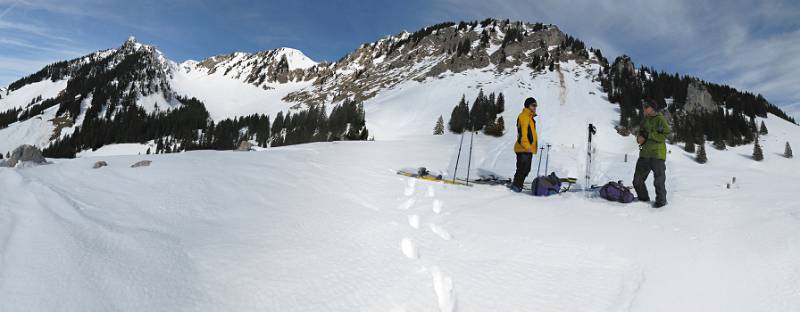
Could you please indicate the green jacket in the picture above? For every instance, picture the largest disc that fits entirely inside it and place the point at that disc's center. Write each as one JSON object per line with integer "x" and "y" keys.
{"x": 656, "y": 129}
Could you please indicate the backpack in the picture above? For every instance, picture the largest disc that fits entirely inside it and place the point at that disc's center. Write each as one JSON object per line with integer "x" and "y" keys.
{"x": 546, "y": 185}
{"x": 616, "y": 191}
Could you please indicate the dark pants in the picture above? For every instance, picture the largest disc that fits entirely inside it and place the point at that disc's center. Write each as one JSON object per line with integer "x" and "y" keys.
{"x": 643, "y": 168}
{"x": 523, "y": 168}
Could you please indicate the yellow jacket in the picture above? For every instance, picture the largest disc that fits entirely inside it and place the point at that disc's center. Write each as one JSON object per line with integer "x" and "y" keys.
{"x": 526, "y": 132}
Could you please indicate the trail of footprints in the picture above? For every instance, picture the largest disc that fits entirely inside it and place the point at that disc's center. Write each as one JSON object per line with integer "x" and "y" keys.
{"x": 442, "y": 284}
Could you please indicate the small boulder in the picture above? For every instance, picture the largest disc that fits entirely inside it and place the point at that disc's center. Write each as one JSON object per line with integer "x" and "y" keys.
{"x": 245, "y": 146}
{"x": 143, "y": 163}
{"x": 99, "y": 164}
{"x": 26, "y": 155}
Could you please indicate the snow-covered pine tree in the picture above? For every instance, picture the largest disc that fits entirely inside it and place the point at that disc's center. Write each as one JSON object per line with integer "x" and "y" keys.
{"x": 439, "y": 128}
{"x": 763, "y": 129}
{"x": 758, "y": 153}
{"x": 788, "y": 152}
{"x": 701, "y": 154}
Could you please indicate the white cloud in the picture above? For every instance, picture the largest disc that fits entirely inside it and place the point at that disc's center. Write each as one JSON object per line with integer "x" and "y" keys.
{"x": 753, "y": 46}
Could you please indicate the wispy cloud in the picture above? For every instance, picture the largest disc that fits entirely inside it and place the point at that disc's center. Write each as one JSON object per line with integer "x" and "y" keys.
{"x": 750, "y": 45}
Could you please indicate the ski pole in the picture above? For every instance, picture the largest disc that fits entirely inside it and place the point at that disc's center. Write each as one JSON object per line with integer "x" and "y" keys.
{"x": 547, "y": 159}
{"x": 592, "y": 130}
{"x": 539, "y": 167}
{"x": 469, "y": 161}
{"x": 455, "y": 172}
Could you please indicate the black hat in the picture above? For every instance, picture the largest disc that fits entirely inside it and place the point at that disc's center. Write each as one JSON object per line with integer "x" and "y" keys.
{"x": 649, "y": 103}
{"x": 530, "y": 101}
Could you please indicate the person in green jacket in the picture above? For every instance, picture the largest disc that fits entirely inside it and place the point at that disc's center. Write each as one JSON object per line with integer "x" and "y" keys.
{"x": 652, "y": 154}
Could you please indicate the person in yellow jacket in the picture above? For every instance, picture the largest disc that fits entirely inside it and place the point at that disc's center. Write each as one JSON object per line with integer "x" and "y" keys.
{"x": 526, "y": 143}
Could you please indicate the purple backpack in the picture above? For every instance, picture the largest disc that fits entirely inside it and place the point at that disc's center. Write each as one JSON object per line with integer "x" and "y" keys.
{"x": 615, "y": 191}
{"x": 546, "y": 185}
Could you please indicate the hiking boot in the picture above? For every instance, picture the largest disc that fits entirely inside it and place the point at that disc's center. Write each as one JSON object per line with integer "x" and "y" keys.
{"x": 659, "y": 204}
{"x": 643, "y": 199}
{"x": 515, "y": 189}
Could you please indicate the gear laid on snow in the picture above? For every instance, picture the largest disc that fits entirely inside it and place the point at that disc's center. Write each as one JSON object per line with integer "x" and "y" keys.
{"x": 616, "y": 191}
{"x": 423, "y": 174}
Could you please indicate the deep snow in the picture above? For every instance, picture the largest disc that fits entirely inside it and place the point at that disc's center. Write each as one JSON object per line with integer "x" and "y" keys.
{"x": 331, "y": 227}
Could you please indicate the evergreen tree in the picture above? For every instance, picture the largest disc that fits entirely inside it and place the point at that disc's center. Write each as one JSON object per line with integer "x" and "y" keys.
{"x": 501, "y": 125}
{"x": 148, "y": 151}
{"x": 500, "y": 106}
{"x": 701, "y": 154}
{"x": 788, "y": 152}
{"x": 480, "y": 112}
{"x": 758, "y": 154}
{"x": 439, "y": 128}
{"x": 459, "y": 118}
{"x": 495, "y": 128}
{"x": 763, "y": 128}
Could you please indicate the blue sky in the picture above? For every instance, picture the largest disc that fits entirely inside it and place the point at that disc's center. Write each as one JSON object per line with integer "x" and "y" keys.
{"x": 752, "y": 45}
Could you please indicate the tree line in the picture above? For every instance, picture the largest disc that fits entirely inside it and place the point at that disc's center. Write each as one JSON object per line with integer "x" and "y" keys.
{"x": 481, "y": 116}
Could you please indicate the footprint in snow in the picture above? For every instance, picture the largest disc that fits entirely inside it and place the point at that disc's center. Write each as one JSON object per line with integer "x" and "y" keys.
{"x": 409, "y": 249}
{"x": 407, "y": 204}
{"x": 443, "y": 286}
{"x": 413, "y": 221}
{"x": 437, "y": 206}
{"x": 410, "y": 186}
{"x": 441, "y": 232}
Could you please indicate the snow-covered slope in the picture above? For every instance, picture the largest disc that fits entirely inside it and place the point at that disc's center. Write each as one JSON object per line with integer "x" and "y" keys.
{"x": 36, "y": 131}
{"x": 28, "y": 94}
{"x": 270, "y": 230}
{"x": 226, "y": 96}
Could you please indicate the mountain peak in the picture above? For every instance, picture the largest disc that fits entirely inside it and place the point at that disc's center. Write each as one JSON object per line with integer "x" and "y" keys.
{"x": 295, "y": 58}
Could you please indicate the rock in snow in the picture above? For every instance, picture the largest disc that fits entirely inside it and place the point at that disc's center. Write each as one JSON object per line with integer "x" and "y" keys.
{"x": 24, "y": 154}
{"x": 245, "y": 146}
{"x": 99, "y": 164}
{"x": 143, "y": 163}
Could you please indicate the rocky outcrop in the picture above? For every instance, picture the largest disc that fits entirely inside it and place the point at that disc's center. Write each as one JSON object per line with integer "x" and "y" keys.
{"x": 24, "y": 155}
{"x": 699, "y": 100}
{"x": 99, "y": 164}
{"x": 623, "y": 64}
{"x": 432, "y": 52}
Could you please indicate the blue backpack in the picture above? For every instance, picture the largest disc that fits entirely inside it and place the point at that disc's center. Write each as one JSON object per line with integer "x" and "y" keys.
{"x": 546, "y": 185}
{"x": 616, "y": 191}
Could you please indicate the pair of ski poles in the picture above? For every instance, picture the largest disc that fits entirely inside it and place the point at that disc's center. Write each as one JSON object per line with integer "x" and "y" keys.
{"x": 546, "y": 162}
{"x": 458, "y": 158}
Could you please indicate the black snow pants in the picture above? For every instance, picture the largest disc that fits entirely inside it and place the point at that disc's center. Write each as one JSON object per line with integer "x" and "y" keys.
{"x": 524, "y": 161}
{"x": 643, "y": 168}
